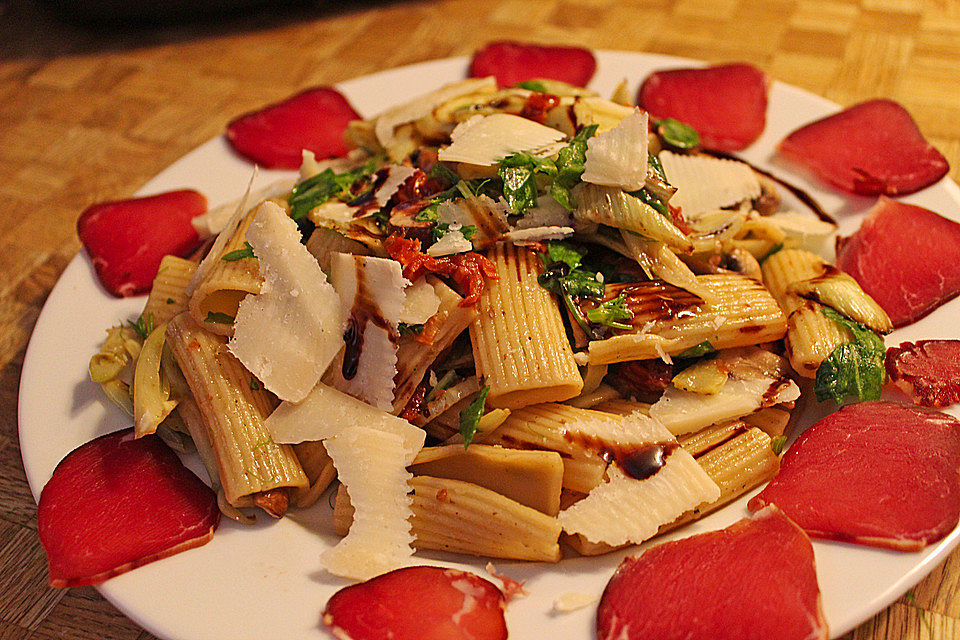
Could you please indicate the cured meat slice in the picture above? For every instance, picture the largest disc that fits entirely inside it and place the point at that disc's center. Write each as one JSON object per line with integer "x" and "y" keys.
{"x": 116, "y": 503}
{"x": 127, "y": 239}
{"x": 754, "y": 580}
{"x": 726, "y": 104}
{"x": 905, "y": 257}
{"x": 872, "y": 148}
{"x": 418, "y": 603}
{"x": 928, "y": 371}
{"x": 513, "y": 62}
{"x": 874, "y": 473}
{"x": 276, "y": 135}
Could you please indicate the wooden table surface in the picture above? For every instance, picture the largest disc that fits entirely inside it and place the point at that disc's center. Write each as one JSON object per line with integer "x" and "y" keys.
{"x": 90, "y": 113}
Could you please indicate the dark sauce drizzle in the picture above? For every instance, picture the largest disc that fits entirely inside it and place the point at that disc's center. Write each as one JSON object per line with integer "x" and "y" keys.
{"x": 639, "y": 461}
{"x": 364, "y": 311}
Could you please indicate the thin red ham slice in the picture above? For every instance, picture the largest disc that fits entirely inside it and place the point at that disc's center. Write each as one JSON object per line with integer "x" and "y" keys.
{"x": 905, "y": 257}
{"x": 872, "y": 148}
{"x": 726, "y": 104}
{"x": 116, "y": 503}
{"x": 928, "y": 371}
{"x": 512, "y": 62}
{"x": 126, "y": 239}
{"x": 418, "y": 603}
{"x": 275, "y": 136}
{"x": 874, "y": 473}
{"x": 754, "y": 580}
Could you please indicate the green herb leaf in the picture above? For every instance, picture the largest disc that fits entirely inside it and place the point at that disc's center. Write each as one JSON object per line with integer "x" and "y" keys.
{"x": 218, "y": 317}
{"x": 564, "y": 277}
{"x": 651, "y": 200}
{"x": 657, "y": 166}
{"x": 469, "y": 231}
{"x": 532, "y": 85}
{"x": 518, "y": 173}
{"x": 698, "y": 351}
{"x": 170, "y": 300}
{"x": 440, "y": 171}
{"x": 143, "y": 327}
{"x": 560, "y": 251}
{"x": 409, "y": 329}
{"x": 854, "y": 368}
{"x": 611, "y": 312}
{"x": 777, "y": 247}
{"x": 470, "y": 416}
{"x": 239, "y": 254}
{"x": 254, "y": 385}
{"x": 570, "y": 162}
{"x": 677, "y": 134}
{"x": 315, "y": 190}
{"x": 777, "y": 444}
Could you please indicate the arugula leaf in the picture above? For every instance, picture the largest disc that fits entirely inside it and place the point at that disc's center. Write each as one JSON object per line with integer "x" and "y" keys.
{"x": 677, "y": 134}
{"x": 470, "y": 416}
{"x": 570, "y": 162}
{"x": 315, "y": 190}
{"x": 518, "y": 173}
{"x": 469, "y": 231}
{"x": 560, "y": 251}
{"x": 654, "y": 162}
{"x": 854, "y": 368}
{"x": 563, "y": 276}
{"x": 698, "y": 350}
{"x": 428, "y": 213}
{"x": 532, "y": 85}
{"x": 651, "y": 200}
{"x": 580, "y": 282}
{"x": 218, "y": 317}
{"x": 442, "y": 172}
{"x": 445, "y": 381}
{"x": 239, "y": 254}
{"x": 143, "y": 327}
{"x": 611, "y": 312}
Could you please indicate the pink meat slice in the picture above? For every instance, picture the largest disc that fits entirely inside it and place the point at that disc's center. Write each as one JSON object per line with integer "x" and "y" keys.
{"x": 928, "y": 371}
{"x": 418, "y": 603}
{"x": 872, "y": 148}
{"x": 754, "y": 580}
{"x": 874, "y": 473}
{"x": 116, "y": 503}
{"x": 512, "y": 62}
{"x": 726, "y": 104}
{"x": 275, "y": 136}
{"x": 905, "y": 257}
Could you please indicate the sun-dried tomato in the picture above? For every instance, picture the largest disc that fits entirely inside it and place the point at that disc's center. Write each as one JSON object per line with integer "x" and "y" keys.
{"x": 469, "y": 270}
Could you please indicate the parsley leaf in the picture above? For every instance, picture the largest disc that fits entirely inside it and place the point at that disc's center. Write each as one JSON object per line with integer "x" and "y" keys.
{"x": 570, "y": 161}
{"x": 518, "y": 173}
{"x": 405, "y": 329}
{"x": 651, "y": 200}
{"x": 315, "y": 190}
{"x": 854, "y": 368}
{"x": 677, "y": 134}
{"x": 218, "y": 317}
{"x": 698, "y": 350}
{"x": 532, "y": 85}
{"x": 239, "y": 254}
{"x": 143, "y": 327}
{"x": 611, "y": 312}
{"x": 563, "y": 276}
{"x": 470, "y": 416}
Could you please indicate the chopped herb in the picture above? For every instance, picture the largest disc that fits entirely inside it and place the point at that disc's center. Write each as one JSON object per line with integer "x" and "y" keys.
{"x": 440, "y": 171}
{"x": 170, "y": 300}
{"x": 445, "y": 381}
{"x": 439, "y": 230}
{"x": 854, "y": 368}
{"x": 776, "y": 247}
{"x": 532, "y": 85}
{"x": 409, "y": 329}
{"x": 327, "y": 184}
{"x": 677, "y": 134}
{"x": 263, "y": 442}
{"x": 564, "y": 277}
{"x": 218, "y": 317}
{"x": 239, "y": 254}
{"x": 470, "y": 416}
{"x": 651, "y": 200}
{"x": 698, "y": 351}
{"x": 468, "y": 231}
{"x": 657, "y": 166}
{"x": 611, "y": 312}
{"x": 254, "y": 385}
{"x": 143, "y": 327}
{"x": 428, "y": 213}
{"x": 777, "y": 444}
{"x": 519, "y": 175}
{"x": 570, "y": 162}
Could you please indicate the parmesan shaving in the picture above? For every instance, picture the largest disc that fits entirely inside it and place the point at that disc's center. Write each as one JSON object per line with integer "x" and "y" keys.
{"x": 372, "y": 290}
{"x": 371, "y": 465}
{"x": 618, "y": 158}
{"x": 420, "y": 303}
{"x": 485, "y": 140}
{"x": 453, "y": 241}
{"x": 547, "y": 213}
{"x": 537, "y": 234}
{"x": 288, "y": 333}
{"x": 705, "y": 183}
{"x": 326, "y": 412}
{"x": 626, "y": 510}
{"x": 215, "y": 220}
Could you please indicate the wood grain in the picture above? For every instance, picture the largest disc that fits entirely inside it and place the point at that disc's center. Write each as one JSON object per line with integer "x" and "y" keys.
{"x": 91, "y": 113}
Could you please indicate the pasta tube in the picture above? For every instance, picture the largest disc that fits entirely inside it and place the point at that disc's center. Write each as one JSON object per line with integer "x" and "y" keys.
{"x": 168, "y": 294}
{"x": 520, "y": 346}
{"x": 249, "y": 463}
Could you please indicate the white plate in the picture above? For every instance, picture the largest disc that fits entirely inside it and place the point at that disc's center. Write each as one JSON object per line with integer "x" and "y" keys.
{"x": 265, "y": 582}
